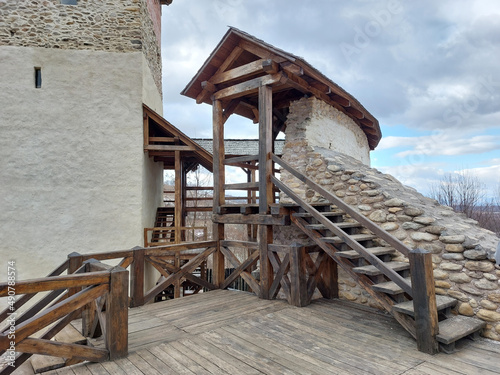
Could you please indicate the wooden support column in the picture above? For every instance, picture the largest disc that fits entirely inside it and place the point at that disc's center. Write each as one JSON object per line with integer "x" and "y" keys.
{"x": 75, "y": 262}
{"x": 219, "y": 192}
{"x": 178, "y": 197}
{"x": 265, "y": 148}
{"x": 117, "y": 314}
{"x": 424, "y": 301}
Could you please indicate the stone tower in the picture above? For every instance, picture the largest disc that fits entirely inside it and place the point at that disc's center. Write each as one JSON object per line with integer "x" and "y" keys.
{"x": 74, "y": 75}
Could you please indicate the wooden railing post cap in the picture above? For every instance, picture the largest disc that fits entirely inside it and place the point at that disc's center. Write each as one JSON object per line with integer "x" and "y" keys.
{"x": 74, "y": 254}
{"x": 296, "y": 244}
{"x": 137, "y": 248}
{"x": 116, "y": 269}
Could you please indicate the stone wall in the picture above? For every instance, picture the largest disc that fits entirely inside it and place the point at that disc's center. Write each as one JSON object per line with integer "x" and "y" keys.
{"x": 462, "y": 252}
{"x": 98, "y": 25}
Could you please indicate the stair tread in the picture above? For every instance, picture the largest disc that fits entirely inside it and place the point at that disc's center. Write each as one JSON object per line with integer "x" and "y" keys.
{"x": 390, "y": 287}
{"x": 338, "y": 225}
{"x": 457, "y": 327}
{"x": 353, "y": 254}
{"x": 442, "y": 302}
{"x": 70, "y": 335}
{"x": 356, "y": 237}
{"x": 327, "y": 214}
{"x": 43, "y": 363}
{"x": 371, "y": 270}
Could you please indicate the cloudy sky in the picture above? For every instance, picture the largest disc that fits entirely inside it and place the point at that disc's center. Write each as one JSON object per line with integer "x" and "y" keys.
{"x": 429, "y": 71}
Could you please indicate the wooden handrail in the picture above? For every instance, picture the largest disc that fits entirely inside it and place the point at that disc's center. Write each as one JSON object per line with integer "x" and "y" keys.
{"x": 367, "y": 223}
{"x": 374, "y": 260}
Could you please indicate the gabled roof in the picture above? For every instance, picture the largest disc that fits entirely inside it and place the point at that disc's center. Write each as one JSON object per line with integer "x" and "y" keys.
{"x": 241, "y": 62}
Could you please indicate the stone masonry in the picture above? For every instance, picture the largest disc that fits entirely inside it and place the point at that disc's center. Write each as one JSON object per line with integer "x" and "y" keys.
{"x": 462, "y": 251}
{"x": 98, "y": 25}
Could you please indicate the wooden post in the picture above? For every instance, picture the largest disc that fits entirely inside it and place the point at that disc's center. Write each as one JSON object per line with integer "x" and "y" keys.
{"x": 178, "y": 197}
{"x": 75, "y": 262}
{"x": 265, "y": 148}
{"x": 266, "y": 269}
{"x": 177, "y": 283}
{"x": 331, "y": 278}
{"x": 137, "y": 278}
{"x": 218, "y": 274}
{"x": 424, "y": 301}
{"x": 117, "y": 314}
{"x": 298, "y": 276}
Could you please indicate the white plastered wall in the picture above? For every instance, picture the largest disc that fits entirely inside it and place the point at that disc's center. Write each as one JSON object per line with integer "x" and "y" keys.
{"x": 73, "y": 174}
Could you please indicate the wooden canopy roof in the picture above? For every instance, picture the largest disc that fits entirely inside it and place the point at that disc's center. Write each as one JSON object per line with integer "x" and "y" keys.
{"x": 241, "y": 63}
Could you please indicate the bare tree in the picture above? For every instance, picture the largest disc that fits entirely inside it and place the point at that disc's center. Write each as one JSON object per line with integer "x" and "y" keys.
{"x": 464, "y": 192}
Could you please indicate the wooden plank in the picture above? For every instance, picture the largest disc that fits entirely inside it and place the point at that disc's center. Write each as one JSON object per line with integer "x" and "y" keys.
{"x": 298, "y": 276}
{"x": 239, "y": 268}
{"x": 249, "y": 87}
{"x": 240, "y": 159}
{"x": 169, "y": 148}
{"x": 60, "y": 349}
{"x": 246, "y": 244}
{"x": 251, "y": 219}
{"x": 163, "y": 139}
{"x": 137, "y": 278}
{"x": 242, "y": 72}
{"x": 243, "y": 186}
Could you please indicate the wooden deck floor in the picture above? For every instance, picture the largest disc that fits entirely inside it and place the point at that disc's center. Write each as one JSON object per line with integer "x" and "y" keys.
{"x": 228, "y": 332}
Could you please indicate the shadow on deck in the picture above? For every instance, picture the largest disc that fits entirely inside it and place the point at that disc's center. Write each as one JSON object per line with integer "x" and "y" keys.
{"x": 230, "y": 332}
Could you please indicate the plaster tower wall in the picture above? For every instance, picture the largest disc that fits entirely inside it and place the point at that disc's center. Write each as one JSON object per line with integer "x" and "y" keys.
{"x": 74, "y": 176}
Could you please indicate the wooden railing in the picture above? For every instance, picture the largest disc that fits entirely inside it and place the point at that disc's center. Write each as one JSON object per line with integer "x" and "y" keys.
{"x": 173, "y": 235}
{"x": 65, "y": 298}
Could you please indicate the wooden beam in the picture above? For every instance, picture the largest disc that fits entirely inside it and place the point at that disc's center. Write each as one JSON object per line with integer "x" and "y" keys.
{"x": 242, "y": 186}
{"x": 292, "y": 68}
{"x": 219, "y": 192}
{"x": 61, "y": 349}
{"x": 178, "y": 197}
{"x": 230, "y": 108}
{"x": 245, "y": 71}
{"x": 263, "y": 52}
{"x": 249, "y": 87}
{"x": 240, "y": 159}
{"x": 251, "y": 219}
{"x": 169, "y": 148}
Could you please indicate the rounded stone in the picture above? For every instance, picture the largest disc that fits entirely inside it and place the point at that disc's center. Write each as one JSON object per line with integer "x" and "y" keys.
{"x": 411, "y": 225}
{"x": 494, "y": 297}
{"x": 435, "y": 229}
{"x": 459, "y": 238}
{"x": 440, "y": 275}
{"x": 488, "y": 315}
{"x": 460, "y": 278}
{"x": 465, "y": 309}
{"x": 391, "y": 217}
{"x": 442, "y": 284}
{"x": 351, "y": 200}
{"x": 348, "y": 296}
{"x": 483, "y": 266}
{"x": 334, "y": 168}
{"x": 413, "y": 211}
{"x": 338, "y": 186}
{"x": 371, "y": 193}
{"x": 469, "y": 289}
{"x": 473, "y": 303}
{"x": 390, "y": 226}
{"x": 451, "y": 248}
{"x": 485, "y": 284}
{"x": 394, "y": 210}
{"x": 395, "y": 202}
{"x": 453, "y": 256}
{"x": 400, "y": 234}
{"x": 404, "y": 218}
{"x": 424, "y": 220}
{"x": 497, "y": 328}
{"x": 433, "y": 247}
{"x": 475, "y": 254}
{"x": 340, "y": 194}
{"x": 490, "y": 277}
{"x": 364, "y": 207}
{"x": 353, "y": 188}
{"x": 458, "y": 295}
{"x": 418, "y": 236}
{"x": 378, "y": 216}
{"x": 447, "y": 266}
{"x": 488, "y": 305}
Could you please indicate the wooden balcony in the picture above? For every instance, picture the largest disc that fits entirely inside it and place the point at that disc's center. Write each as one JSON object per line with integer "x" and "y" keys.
{"x": 229, "y": 332}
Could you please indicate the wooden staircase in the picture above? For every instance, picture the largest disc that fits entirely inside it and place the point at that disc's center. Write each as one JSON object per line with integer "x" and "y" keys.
{"x": 388, "y": 293}
{"x": 165, "y": 217}
{"x": 381, "y": 264}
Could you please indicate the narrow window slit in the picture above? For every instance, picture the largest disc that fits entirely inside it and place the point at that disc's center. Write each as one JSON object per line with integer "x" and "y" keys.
{"x": 38, "y": 77}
